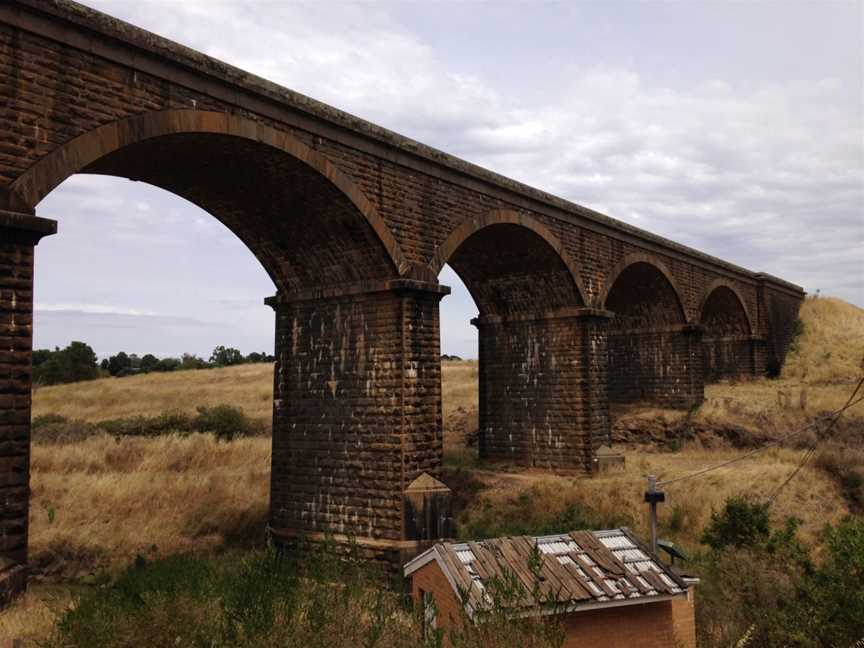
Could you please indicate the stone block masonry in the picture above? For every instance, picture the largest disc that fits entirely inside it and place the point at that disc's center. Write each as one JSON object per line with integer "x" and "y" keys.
{"x": 542, "y": 381}
{"x": 353, "y": 223}
{"x": 357, "y": 413}
{"x": 19, "y": 234}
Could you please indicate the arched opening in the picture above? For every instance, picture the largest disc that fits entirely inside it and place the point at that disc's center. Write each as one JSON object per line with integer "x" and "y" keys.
{"x": 122, "y": 465}
{"x": 527, "y": 298}
{"x": 314, "y": 234}
{"x": 727, "y": 346}
{"x": 650, "y": 346}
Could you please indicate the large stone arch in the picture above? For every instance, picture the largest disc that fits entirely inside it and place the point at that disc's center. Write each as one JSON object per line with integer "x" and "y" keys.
{"x": 729, "y": 349}
{"x": 510, "y": 263}
{"x": 113, "y": 148}
{"x": 648, "y": 260}
{"x": 472, "y": 226}
{"x": 713, "y": 287}
{"x": 654, "y": 355}
{"x": 533, "y": 336}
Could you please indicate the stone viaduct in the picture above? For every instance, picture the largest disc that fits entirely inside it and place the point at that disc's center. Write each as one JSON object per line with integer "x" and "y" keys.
{"x": 353, "y": 224}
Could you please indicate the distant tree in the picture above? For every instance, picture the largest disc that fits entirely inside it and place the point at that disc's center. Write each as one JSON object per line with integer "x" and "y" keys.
{"x": 40, "y": 356}
{"x": 148, "y": 362}
{"x": 118, "y": 364}
{"x": 166, "y": 364}
{"x": 191, "y": 361}
{"x": 134, "y": 361}
{"x": 226, "y": 357}
{"x": 74, "y": 363}
{"x": 104, "y": 365}
{"x": 256, "y": 357}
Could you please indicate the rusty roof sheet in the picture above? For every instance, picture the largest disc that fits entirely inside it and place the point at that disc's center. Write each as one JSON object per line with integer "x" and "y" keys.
{"x": 573, "y": 570}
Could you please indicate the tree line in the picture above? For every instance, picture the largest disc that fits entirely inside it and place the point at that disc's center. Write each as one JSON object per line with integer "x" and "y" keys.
{"x": 79, "y": 362}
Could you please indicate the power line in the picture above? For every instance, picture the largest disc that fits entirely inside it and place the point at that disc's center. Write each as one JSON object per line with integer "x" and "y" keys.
{"x": 812, "y": 449}
{"x": 834, "y": 416}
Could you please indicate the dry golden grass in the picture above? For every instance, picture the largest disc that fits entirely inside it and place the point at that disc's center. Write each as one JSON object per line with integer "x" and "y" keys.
{"x": 459, "y": 386}
{"x": 247, "y": 386}
{"x": 32, "y": 617}
{"x": 813, "y": 497}
{"x": 831, "y": 348}
{"x": 101, "y": 501}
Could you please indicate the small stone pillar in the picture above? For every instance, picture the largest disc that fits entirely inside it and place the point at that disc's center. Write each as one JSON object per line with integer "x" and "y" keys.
{"x": 19, "y": 234}
{"x": 543, "y": 400}
{"x": 428, "y": 510}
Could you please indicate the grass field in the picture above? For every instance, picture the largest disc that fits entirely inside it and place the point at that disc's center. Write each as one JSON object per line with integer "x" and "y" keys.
{"x": 99, "y": 502}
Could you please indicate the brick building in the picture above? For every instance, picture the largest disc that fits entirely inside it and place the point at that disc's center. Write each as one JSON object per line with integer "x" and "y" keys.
{"x": 607, "y": 589}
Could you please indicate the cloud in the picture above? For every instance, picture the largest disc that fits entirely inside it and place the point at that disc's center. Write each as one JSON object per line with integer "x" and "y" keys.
{"x": 764, "y": 171}
{"x": 91, "y": 309}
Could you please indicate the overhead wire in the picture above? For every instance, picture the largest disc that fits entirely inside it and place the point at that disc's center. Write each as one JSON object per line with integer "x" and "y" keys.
{"x": 812, "y": 449}
{"x": 851, "y": 402}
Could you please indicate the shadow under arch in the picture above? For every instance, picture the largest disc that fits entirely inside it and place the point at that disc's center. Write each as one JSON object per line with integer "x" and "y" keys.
{"x": 710, "y": 294}
{"x": 729, "y": 348}
{"x": 510, "y": 262}
{"x": 252, "y": 177}
{"x": 654, "y": 354}
{"x": 534, "y": 341}
{"x": 638, "y": 258}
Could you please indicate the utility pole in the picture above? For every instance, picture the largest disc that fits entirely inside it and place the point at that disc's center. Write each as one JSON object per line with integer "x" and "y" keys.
{"x": 652, "y": 496}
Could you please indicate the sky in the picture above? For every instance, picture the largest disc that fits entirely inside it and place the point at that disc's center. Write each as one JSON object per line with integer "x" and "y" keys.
{"x": 736, "y": 128}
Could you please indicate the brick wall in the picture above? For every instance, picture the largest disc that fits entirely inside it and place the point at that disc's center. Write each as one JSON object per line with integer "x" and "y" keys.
{"x": 664, "y": 624}
{"x": 430, "y": 578}
{"x": 648, "y": 625}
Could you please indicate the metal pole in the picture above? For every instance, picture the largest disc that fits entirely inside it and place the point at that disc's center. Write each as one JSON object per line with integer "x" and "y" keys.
{"x": 652, "y": 503}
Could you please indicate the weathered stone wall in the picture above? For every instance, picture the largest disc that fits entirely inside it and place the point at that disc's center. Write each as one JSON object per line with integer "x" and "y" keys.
{"x": 662, "y": 367}
{"x": 357, "y": 409}
{"x": 16, "y": 318}
{"x": 18, "y": 235}
{"x": 728, "y": 358}
{"x": 542, "y": 383}
{"x": 778, "y": 313}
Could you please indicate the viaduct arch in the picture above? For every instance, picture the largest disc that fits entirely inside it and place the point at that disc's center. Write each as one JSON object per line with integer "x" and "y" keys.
{"x": 353, "y": 222}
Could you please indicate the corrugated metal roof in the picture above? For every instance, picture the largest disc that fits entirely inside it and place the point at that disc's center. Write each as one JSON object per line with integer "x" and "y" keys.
{"x": 576, "y": 569}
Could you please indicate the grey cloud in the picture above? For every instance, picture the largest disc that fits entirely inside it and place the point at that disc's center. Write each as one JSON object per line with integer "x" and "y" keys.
{"x": 743, "y": 156}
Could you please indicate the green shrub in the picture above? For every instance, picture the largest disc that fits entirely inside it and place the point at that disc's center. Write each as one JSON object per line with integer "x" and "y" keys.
{"x": 53, "y": 428}
{"x": 225, "y": 421}
{"x": 46, "y": 420}
{"x": 741, "y": 523}
{"x": 267, "y": 599}
{"x": 166, "y": 423}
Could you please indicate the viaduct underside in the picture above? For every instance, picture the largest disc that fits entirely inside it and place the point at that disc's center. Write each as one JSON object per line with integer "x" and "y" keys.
{"x": 353, "y": 223}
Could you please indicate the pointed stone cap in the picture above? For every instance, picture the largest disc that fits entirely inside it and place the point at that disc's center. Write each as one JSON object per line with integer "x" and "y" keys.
{"x": 605, "y": 451}
{"x": 426, "y": 483}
